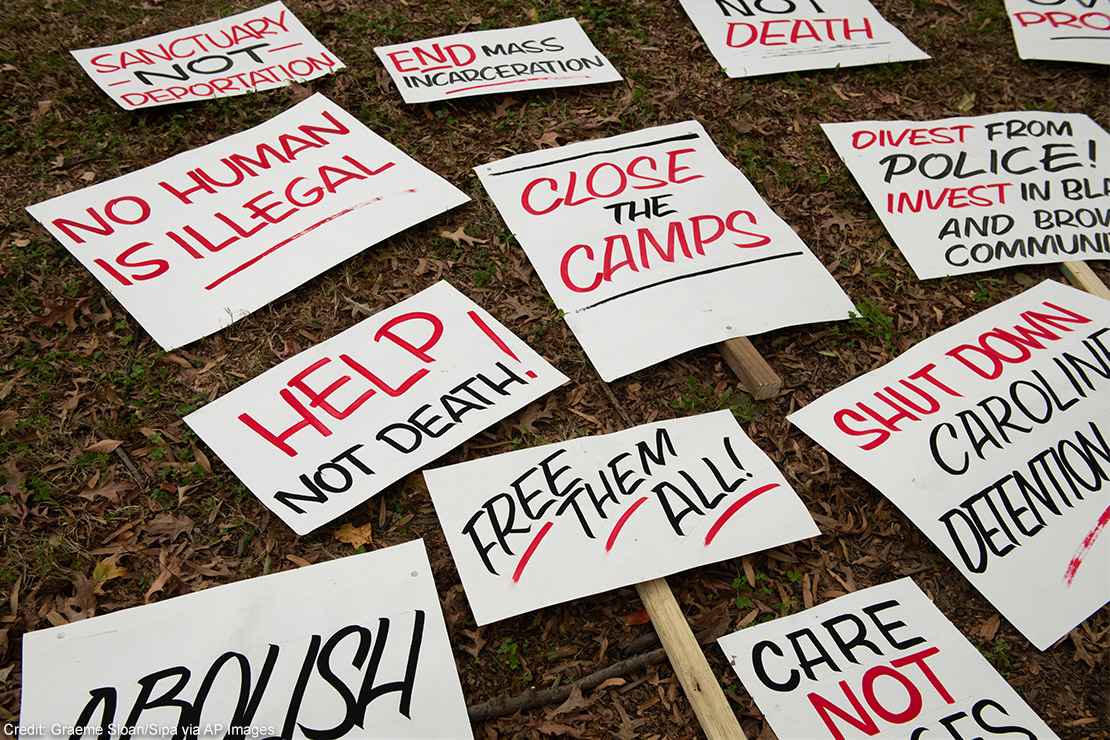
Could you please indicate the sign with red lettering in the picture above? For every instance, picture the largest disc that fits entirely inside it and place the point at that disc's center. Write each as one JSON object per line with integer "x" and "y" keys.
{"x": 196, "y": 242}
{"x": 544, "y": 55}
{"x": 653, "y": 244}
{"x": 541, "y": 526}
{"x": 964, "y": 195}
{"x": 330, "y": 427}
{"x": 318, "y": 651}
{"x": 762, "y": 37}
{"x": 1062, "y": 30}
{"x": 258, "y": 50}
{"x": 878, "y": 663}
{"x": 993, "y": 437}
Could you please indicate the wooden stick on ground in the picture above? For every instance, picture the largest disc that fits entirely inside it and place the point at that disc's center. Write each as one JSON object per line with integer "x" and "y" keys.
{"x": 759, "y": 378}
{"x": 1083, "y": 277}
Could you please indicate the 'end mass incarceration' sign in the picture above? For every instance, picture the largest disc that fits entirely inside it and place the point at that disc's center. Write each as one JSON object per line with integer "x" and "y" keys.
{"x": 1062, "y": 30}
{"x": 993, "y": 437}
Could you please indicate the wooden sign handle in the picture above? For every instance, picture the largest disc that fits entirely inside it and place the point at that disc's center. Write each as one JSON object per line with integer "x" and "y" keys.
{"x": 758, "y": 378}
{"x": 1083, "y": 277}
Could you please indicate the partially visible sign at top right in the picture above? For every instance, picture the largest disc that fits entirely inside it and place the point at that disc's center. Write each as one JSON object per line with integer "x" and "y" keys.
{"x": 1061, "y": 30}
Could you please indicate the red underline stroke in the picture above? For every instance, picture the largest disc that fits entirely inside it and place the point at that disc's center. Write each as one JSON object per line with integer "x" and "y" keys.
{"x": 531, "y": 549}
{"x": 735, "y": 507}
{"x": 1085, "y": 546}
{"x": 620, "y": 522}
{"x": 283, "y": 48}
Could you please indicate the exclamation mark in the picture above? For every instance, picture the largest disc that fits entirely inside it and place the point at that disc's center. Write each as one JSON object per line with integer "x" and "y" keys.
{"x": 1092, "y": 152}
{"x": 496, "y": 339}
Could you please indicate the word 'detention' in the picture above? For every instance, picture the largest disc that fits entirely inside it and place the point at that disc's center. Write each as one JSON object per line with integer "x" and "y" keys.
{"x": 993, "y": 436}
{"x": 328, "y": 428}
{"x": 964, "y": 195}
{"x": 196, "y": 242}
{"x": 537, "y": 527}
{"x": 1062, "y": 30}
{"x": 762, "y": 37}
{"x": 260, "y": 49}
{"x": 881, "y": 662}
{"x": 354, "y": 647}
{"x": 653, "y": 244}
{"x": 553, "y": 54}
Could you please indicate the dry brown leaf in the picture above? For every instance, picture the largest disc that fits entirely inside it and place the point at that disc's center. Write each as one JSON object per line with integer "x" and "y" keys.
{"x": 104, "y": 446}
{"x": 459, "y": 236}
{"x": 106, "y": 570}
{"x": 354, "y": 536}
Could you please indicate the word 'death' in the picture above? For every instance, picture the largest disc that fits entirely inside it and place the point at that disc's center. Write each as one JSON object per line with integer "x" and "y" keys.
{"x": 993, "y": 436}
{"x": 196, "y": 242}
{"x": 878, "y": 663}
{"x": 653, "y": 244}
{"x": 762, "y": 37}
{"x": 964, "y": 195}
{"x": 257, "y": 50}
{"x": 1062, "y": 30}
{"x": 541, "y": 526}
{"x": 328, "y": 428}
{"x": 354, "y": 647}
{"x": 544, "y": 55}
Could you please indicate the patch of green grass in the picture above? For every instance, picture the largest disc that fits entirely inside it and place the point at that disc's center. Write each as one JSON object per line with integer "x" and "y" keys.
{"x": 699, "y": 397}
{"x": 870, "y": 320}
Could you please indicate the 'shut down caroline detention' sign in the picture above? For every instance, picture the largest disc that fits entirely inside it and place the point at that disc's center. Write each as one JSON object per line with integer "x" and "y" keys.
{"x": 354, "y": 647}
{"x": 330, "y": 427}
{"x": 762, "y": 37}
{"x": 553, "y": 54}
{"x": 257, "y": 50}
{"x": 541, "y": 526}
{"x": 653, "y": 244}
{"x": 878, "y": 663}
{"x": 1062, "y": 30}
{"x": 964, "y": 195}
{"x": 993, "y": 436}
{"x": 196, "y": 242}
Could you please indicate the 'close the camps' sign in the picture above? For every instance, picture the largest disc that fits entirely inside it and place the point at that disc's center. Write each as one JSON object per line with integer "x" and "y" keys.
{"x": 878, "y": 663}
{"x": 196, "y": 242}
{"x": 1063, "y": 30}
{"x": 354, "y": 647}
{"x": 553, "y": 54}
{"x": 653, "y": 244}
{"x": 257, "y": 50}
{"x": 541, "y": 526}
{"x": 993, "y": 436}
{"x": 328, "y": 428}
{"x": 762, "y": 37}
{"x": 964, "y": 195}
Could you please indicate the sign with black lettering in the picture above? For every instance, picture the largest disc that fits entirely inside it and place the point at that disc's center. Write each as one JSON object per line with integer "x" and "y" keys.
{"x": 330, "y": 427}
{"x": 1062, "y": 30}
{"x": 878, "y": 663}
{"x": 993, "y": 437}
{"x": 964, "y": 195}
{"x": 541, "y": 526}
{"x": 763, "y": 37}
{"x": 544, "y": 55}
{"x": 354, "y": 647}
{"x": 653, "y": 244}
{"x": 260, "y": 49}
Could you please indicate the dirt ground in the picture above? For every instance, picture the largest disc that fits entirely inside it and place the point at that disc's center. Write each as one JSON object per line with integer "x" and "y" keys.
{"x": 87, "y": 529}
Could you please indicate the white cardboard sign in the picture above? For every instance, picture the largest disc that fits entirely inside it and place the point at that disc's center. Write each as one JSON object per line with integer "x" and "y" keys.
{"x": 260, "y": 49}
{"x": 197, "y": 241}
{"x": 964, "y": 195}
{"x": 878, "y": 663}
{"x": 355, "y": 645}
{"x": 1062, "y": 30}
{"x": 762, "y": 37}
{"x": 993, "y": 437}
{"x": 544, "y": 55}
{"x": 330, "y": 427}
{"x": 545, "y": 525}
{"x": 653, "y": 244}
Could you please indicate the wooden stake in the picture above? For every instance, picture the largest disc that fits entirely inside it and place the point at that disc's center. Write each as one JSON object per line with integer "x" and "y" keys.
{"x": 1083, "y": 277}
{"x": 759, "y": 378}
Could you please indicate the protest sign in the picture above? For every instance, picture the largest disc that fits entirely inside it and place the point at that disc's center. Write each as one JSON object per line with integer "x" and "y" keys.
{"x": 187, "y": 245}
{"x": 260, "y": 49}
{"x": 315, "y": 652}
{"x": 653, "y": 244}
{"x": 544, "y": 55}
{"x": 328, "y": 428}
{"x": 762, "y": 37}
{"x": 993, "y": 437}
{"x": 541, "y": 526}
{"x": 878, "y": 663}
{"x": 1063, "y": 30}
{"x": 964, "y": 195}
